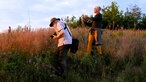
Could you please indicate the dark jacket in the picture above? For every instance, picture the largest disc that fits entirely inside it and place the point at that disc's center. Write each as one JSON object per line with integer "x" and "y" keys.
{"x": 97, "y": 21}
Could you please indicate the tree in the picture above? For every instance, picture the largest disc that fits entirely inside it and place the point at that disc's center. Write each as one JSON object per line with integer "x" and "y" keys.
{"x": 136, "y": 13}
{"x": 73, "y": 22}
{"x": 112, "y": 15}
{"x": 132, "y": 17}
{"x": 142, "y": 23}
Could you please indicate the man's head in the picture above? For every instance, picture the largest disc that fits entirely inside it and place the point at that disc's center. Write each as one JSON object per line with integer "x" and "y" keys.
{"x": 97, "y": 9}
{"x": 52, "y": 21}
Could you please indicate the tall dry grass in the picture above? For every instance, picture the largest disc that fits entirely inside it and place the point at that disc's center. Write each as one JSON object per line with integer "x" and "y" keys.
{"x": 122, "y": 43}
{"x": 25, "y": 42}
{"x": 115, "y": 43}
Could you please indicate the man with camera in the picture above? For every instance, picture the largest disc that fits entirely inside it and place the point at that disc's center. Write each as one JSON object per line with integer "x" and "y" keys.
{"x": 95, "y": 31}
{"x": 63, "y": 34}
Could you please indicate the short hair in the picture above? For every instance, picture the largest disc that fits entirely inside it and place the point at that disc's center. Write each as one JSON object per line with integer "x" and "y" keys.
{"x": 98, "y": 7}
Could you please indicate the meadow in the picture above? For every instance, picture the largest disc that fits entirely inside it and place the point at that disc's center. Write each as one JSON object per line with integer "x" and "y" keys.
{"x": 27, "y": 56}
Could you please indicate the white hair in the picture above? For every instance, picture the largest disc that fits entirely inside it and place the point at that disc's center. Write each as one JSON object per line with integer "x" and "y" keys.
{"x": 98, "y": 7}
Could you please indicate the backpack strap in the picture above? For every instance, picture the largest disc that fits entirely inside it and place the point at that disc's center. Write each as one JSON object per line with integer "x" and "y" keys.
{"x": 67, "y": 29}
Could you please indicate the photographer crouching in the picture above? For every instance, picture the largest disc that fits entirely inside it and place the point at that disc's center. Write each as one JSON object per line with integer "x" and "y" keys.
{"x": 64, "y": 42}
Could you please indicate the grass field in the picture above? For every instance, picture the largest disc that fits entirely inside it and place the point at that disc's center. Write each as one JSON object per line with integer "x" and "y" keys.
{"x": 27, "y": 57}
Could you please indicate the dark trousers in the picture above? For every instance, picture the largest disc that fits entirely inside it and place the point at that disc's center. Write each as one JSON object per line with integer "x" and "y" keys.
{"x": 61, "y": 59}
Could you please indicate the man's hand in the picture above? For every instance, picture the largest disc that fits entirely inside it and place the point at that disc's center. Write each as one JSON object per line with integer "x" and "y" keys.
{"x": 59, "y": 35}
{"x": 55, "y": 37}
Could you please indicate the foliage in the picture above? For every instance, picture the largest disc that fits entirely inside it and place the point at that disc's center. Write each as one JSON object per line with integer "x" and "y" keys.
{"x": 142, "y": 24}
{"x": 112, "y": 15}
{"x": 72, "y": 22}
{"x": 132, "y": 17}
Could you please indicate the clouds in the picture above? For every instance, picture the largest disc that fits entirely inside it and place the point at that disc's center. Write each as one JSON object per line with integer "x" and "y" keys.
{"x": 12, "y": 12}
{"x": 18, "y": 12}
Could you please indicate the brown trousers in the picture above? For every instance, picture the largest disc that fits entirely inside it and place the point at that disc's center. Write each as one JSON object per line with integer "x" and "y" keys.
{"x": 95, "y": 36}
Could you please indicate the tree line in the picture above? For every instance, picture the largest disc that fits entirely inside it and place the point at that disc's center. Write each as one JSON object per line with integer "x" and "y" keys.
{"x": 113, "y": 18}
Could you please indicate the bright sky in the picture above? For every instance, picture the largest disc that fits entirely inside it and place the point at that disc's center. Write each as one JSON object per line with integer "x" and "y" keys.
{"x": 39, "y": 12}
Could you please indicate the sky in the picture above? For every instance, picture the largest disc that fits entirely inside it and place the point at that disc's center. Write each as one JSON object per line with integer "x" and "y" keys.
{"x": 38, "y": 13}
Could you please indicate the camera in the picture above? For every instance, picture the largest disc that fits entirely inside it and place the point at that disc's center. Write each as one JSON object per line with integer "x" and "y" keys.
{"x": 55, "y": 34}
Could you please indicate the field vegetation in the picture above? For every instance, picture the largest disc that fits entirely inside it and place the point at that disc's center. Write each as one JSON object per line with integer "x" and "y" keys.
{"x": 28, "y": 57}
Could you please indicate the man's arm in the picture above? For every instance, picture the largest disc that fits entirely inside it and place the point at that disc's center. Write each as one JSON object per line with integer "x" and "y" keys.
{"x": 60, "y": 27}
{"x": 59, "y": 35}
{"x": 96, "y": 18}
{"x": 90, "y": 19}
{"x": 87, "y": 18}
